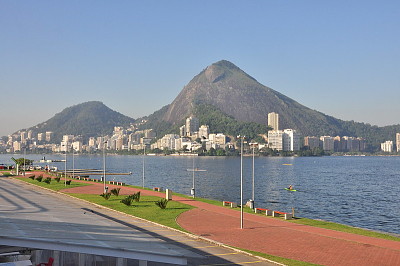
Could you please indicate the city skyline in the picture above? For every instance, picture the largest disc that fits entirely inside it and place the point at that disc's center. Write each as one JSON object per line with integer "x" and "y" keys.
{"x": 338, "y": 58}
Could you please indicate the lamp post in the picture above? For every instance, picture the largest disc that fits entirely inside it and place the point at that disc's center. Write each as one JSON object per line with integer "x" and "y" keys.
{"x": 241, "y": 180}
{"x": 73, "y": 163}
{"x": 144, "y": 155}
{"x": 252, "y": 199}
{"x": 24, "y": 161}
{"x": 104, "y": 165}
{"x": 65, "y": 165}
{"x": 193, "y": 188}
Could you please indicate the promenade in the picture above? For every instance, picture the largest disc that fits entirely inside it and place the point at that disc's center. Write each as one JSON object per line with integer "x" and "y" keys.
{"x": 274, "y": 236}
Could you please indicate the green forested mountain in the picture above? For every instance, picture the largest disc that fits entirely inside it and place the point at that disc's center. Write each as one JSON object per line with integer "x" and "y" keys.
{"x": 89, "y": 119}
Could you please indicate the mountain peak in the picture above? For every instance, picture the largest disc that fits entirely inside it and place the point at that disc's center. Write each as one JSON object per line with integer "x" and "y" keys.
{"x": 222, "y": 70}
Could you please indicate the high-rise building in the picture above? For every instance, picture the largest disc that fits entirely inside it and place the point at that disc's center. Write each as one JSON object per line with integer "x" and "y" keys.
{"x": 23, "y": 136}
{"x": 40, "y": 136}
{"x": 273, "y": 120}
{"x": 328, "y": 143}
{"x": 192, "y": 125}
{"x": 387, "y": 146}
{"x": 291, "y": 140}
{"x": 275, "y": 139}
{"x": 311, "y": 142}
{"x": 182, "y": 131}
{"x": 49, "y": 136}
{"x": 204, "y": 131}
{"x": 398, "y": 142}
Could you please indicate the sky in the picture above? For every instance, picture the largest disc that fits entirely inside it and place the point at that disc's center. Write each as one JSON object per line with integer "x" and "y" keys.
{"x": 341, "y": 58}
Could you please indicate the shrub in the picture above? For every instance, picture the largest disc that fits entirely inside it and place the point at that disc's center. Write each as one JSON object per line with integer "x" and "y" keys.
{"x": 39, "y": 178}
{"x": 57, "y": 179}
{"x": 162, "y": 203}
{"x": 128, "y": 200}
{"x": 106, "y": 195}
{"x": 47, "y": 180}
{"x": 32, "y": 177}
{"x": 136, "y": 196}
{"x": 68, "y": 182}
{"x": 115, "y": 191}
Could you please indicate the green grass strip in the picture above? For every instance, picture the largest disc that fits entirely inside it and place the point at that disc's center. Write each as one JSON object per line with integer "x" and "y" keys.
{"x": 145, "y": 208}
{"x": 54, "y": 185}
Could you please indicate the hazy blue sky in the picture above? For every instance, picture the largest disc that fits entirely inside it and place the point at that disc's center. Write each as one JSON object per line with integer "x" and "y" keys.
{"x": 339, "y": 57}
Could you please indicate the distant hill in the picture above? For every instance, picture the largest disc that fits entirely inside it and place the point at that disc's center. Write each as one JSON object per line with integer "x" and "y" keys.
{"x": 89, "y": 119}
{"x": 236, "y": 94}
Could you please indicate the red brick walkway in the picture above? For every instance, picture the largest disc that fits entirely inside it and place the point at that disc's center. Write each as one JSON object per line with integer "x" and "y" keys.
{"x": 275, "y": 236}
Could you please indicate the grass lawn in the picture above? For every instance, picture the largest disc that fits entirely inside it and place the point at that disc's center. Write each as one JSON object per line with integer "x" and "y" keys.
{"x": 54, "y": 185}
{"x": 145, "y": 208}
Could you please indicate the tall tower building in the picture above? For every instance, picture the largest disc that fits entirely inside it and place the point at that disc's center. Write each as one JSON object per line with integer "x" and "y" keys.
{"x": 273, "y": 120}
{"x": 192, "y": 125}
{"x": 398, "y": 142}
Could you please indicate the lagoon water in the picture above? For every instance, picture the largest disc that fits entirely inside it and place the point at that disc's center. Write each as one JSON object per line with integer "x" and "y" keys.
{"x": 358, "y": 191}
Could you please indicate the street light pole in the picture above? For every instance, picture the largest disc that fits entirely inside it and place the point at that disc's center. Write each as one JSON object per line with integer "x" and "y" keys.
{"x": 24, "y": 161}
{"x": 65, "y": 166}
{"x": 193, "y": 188}
{"x": 252, "y": 199}
{"x": 144, "y": 155}
{"x": 241, "y": 180}
{"x": 73, "y": 163}
{"x": 104, "y": 165}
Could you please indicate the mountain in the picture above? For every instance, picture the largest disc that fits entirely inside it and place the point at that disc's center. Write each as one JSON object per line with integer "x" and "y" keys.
{"x": 225, "y": 88}
{"x": 239, "y": 95}
{"x": 89, "y": 119}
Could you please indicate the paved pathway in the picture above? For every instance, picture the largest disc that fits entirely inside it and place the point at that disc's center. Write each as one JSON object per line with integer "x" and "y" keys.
{"x": 275, "y": 236}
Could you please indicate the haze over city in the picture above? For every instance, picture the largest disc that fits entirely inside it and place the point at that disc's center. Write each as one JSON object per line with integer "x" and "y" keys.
{"x": 339, "y": 58}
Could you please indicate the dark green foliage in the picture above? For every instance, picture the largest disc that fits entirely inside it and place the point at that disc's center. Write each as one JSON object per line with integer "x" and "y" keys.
{"x": 162, "y": 203}
{"x": 68, "y": 182}
{"x": 106, "y": 195}
{"x": 223, "y": 123}
{"x": 47, "y": 180}
{"x": 20, "y": 161}
{"x": 32, "y": 177}
{"x": 136, "y": 196}
{"x": 57, "y": 179}
{"x": 115, "y": 191}
{"x": 128, "y": 200}
{"x": 39, "y": 178}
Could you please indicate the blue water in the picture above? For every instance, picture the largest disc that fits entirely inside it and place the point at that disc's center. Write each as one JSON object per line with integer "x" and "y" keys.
{"x": 357, "y": 191}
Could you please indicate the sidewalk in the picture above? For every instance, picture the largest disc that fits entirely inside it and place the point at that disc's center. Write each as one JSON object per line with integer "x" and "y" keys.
{"x": 275, "y": 236}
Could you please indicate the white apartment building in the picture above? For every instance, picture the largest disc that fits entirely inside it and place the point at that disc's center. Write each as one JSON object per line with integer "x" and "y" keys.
{"x": 387, "y": 146}
{"x": 398, "y": 142}
{"x": 23, "y": 136}
{"x": 218, "y": 138}
{"x": 40, "y": 136}
{"x": 168, "y": 141}
{"x": 275, "y": 139}
{"x": 16, "y": 146}
{"x": 291, "y": 140}
{"x": 182, "y": 142}
{"x": 68, "y": 138}
{"x": 204, "y": 131}
{"x": 77, "y": 146}
{"x": 30, "y": 134}
{"x": 273, "y": 120}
